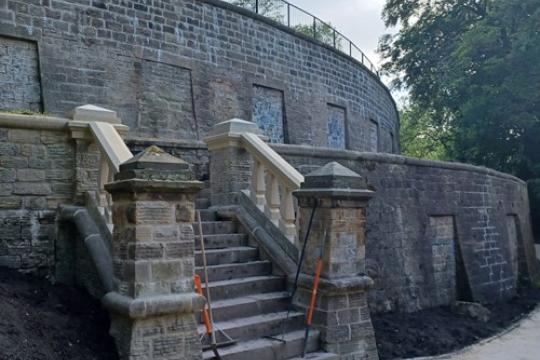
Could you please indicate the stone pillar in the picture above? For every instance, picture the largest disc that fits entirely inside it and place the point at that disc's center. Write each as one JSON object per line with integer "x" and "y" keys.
{"x": 338, "y": 233}
{"x": 230, "y": 163}
{"x": 153, "y": 304}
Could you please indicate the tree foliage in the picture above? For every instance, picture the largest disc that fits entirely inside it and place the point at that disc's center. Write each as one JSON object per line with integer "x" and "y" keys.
{"x": 473, "y": 73}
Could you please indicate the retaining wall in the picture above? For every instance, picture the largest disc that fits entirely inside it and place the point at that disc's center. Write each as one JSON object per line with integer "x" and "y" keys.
{"x": 174, "y": 68}
{"x": 436, "y": 231}
{"x": 37, "y": 173}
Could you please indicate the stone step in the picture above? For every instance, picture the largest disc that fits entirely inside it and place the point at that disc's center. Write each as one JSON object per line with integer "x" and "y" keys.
{"x": 228, "y": 289}
{"x": 208, "y": 215}
{"x": 222, "y": 241}
{"x": 215, "y": 227}
{"x": 254, "y": 327}
{"x": 250, "y": 305}
{"x": 235, "y": 271}
{"x": 318, "y": 356}
{"x": 231, "y": 255}
{"x": 267, "y": 349}
{"x": 205, "y": 193}
{"x": 202, "y": 203}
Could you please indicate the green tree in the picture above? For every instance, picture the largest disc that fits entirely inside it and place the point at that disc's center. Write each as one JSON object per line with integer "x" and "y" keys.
{"x": 472, "y": 67}
{"x": 270, "y": 8}
{"x": 420, "y": 138}
{"x": 276, "y": 10}
{"x": 323, "y": 32}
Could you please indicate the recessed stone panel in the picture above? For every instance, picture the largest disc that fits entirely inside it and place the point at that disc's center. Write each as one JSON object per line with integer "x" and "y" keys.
{"x": 443, "y": 259}
{"x": 336, "y": 127}
{"x": 513, "y": 241}
{"x": 267, "y": 107}
{"x": 19, "y": 75}
{"x": 373, "y": 136}
{"x": 166, "y": 104}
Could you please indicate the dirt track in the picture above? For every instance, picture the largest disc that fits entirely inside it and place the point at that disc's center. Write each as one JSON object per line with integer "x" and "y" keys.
{"x": 39, "y": 321}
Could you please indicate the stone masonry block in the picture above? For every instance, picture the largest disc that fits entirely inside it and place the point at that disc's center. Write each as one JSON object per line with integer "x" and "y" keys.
{"x": 31, "y": 188}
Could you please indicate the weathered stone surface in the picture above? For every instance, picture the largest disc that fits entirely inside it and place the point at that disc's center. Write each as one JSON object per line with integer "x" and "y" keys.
{"x": 337, "y": 237}
{"x": 170, "y": 72}
{"x": 153, "y": 302}
{"x": 410, "y": 231}
{"x": 19, "y": 75}
{"x": 33, "y": 182}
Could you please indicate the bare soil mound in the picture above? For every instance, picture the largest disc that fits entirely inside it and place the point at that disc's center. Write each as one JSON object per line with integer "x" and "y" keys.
{"x": 439, "y": 331}
{"x": 39, "y": 321}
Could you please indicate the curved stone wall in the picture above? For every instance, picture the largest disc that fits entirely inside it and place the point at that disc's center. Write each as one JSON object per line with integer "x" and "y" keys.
{"x": 436, "y": 232}
{"x": 173, "y": 68}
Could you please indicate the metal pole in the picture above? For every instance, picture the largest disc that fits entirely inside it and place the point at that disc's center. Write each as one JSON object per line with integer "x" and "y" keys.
{"x": 335, "y": 38}
{"x": 256, "y": 6}
{"x": 350, "y": 48}
{"x": 288, "y": 15}
{"x": 314, "y": 28}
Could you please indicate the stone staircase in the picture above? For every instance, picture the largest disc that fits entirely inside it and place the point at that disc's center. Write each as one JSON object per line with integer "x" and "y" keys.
{"x": 249, "y": 296}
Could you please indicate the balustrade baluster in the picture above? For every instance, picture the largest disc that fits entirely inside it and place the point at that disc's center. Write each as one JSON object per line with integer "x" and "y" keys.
{"x": 258, "y": 185}
{"x": 287, "y": 221}
{"x": 104, "y": 175}
{"x": 272, "y": 209}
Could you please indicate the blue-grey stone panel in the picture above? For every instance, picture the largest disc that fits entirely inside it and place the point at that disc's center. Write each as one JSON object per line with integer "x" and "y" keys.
{"x": 19, "y": 75}
{"x": 268, "y": 112}
{"x": 336, "y": 127}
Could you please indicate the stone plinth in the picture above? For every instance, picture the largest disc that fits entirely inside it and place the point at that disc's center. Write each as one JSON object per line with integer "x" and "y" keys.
{"x": 230, "y": 163}
{"x": 338, "y": 234}
{"x": 153, "y": 304}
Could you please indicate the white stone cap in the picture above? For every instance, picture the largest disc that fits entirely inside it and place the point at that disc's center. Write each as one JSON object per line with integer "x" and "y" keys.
{"x": 235, "y": 126}
{"x": 94, "y": 113}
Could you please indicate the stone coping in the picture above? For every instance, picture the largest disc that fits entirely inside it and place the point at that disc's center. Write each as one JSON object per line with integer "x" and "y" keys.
{"x": 35, "y": 122}
{"x": 185, "y": 144}
{"x": 149, "y": 186}
{"x": 331, "y": 154}
{"x": 339, "y": 285}
{"x": 338, "y": 194}
{"x": 144, "y": 307}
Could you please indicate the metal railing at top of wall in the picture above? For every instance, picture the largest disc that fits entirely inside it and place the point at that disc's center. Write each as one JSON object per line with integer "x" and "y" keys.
{"x": 299, "y": 20}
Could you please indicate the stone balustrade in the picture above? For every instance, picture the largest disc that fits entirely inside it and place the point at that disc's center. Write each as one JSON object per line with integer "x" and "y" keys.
{"x": 92, "y": 126}
{"x": 242, "y": 161}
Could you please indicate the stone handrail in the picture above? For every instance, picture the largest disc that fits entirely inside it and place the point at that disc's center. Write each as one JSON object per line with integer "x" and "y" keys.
{"x": 272, "y": 184}
{"x": 273, "y": 179}
{"x": 103, "y": 127}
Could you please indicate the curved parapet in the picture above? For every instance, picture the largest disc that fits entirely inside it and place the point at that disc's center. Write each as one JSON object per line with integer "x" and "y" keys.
{"x": 173, "y": 69}
{"x": 436, "y": 231}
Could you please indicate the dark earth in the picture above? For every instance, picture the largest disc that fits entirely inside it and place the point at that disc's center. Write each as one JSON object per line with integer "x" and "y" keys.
{"x": 40, "y": 321}
{"x": 438, "y": 331}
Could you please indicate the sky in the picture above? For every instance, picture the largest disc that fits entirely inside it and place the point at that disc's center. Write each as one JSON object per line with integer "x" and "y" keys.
{"x": 359, "y": 20}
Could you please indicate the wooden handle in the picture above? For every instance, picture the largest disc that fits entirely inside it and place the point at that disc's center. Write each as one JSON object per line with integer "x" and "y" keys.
{"x": 314, "y": 291}
{"x": 206, "y": 317}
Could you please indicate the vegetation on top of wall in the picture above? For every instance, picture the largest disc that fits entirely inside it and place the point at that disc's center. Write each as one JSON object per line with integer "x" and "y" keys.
{"x": 22, "y": 112}
{"x": 472, "y": 72}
